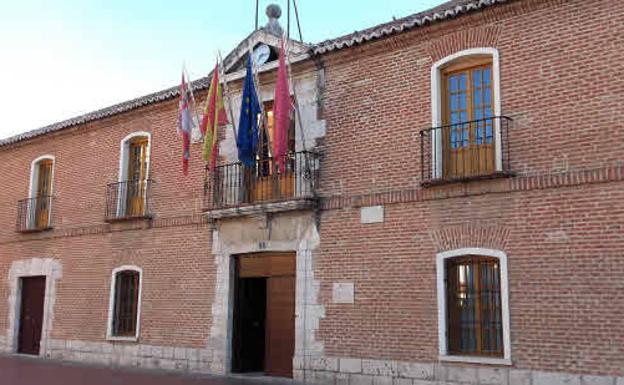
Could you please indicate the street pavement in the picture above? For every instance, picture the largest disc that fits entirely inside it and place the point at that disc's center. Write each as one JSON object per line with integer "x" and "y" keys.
{"x": 18, "y": 370}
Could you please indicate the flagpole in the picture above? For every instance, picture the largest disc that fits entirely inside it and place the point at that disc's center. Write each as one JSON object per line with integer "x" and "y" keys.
{"x": 256, "y": 27}
{"x": 297, "y": 17}
{"x": 296, "y": 104}
{"x": 227, "y": 92}
{"x": 297, "y": 111}
{"x": 288, "y": 19}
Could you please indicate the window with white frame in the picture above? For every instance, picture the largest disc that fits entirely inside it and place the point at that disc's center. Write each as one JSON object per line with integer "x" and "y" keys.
{"x": 39, "y": 203}
{"x": 133, "y": 185}
{"x": 466, "y": 134}
{"x": 125, "y": 303}
{"x": 473, "y": 305}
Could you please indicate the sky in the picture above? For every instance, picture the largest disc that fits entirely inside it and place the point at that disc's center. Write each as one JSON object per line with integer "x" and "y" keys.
{"x": 64, "y": 58}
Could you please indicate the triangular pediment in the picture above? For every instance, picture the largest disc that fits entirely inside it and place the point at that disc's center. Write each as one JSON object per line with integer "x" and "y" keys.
{"x": 234, "y": 62}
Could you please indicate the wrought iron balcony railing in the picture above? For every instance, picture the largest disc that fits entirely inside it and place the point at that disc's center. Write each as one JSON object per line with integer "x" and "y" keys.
{"x": 464, "y": 151}
{"x": 128, "y": 200}
{"x": 34, "y": 214}
{"x": 234, "y": 185}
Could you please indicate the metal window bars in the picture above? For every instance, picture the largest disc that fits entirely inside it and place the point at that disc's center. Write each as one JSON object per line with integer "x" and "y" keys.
{"x": 34, "y": 214}
{"x": 464, "y": 151}
{"x": 128, "y": 200}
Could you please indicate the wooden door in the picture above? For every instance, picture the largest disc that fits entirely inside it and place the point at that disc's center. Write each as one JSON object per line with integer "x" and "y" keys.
{"x": 44, "y": 190}
{"x": 469, "y": 127}
{"x": 269, "y": 184}
{"x": 280, "y": 326}
{"x": 137, "y": 177}
{"x": 31, "y": 315}
{"x": 278, "y": 272}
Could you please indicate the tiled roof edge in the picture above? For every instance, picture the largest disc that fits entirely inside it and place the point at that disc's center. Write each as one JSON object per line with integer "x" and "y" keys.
{"x": 129, "y": 105}
{"x": 445, "y": 11}
{"x": 440, "y": 13}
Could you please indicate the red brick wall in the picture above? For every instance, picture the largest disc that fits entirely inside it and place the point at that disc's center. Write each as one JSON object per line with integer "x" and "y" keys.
{"x": 559, "y": 64}
{"x": 564, "y": 275}
{"x": 562, "y": 234}
{"x": 173, "y": 250}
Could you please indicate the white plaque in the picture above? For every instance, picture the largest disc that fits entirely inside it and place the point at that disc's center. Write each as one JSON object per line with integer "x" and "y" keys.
{"x": 343, "y": 292}
{"x": 372, "y": 214}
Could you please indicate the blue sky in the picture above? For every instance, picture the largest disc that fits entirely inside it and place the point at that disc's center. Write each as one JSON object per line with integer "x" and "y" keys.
{"x": 67, "y": 57}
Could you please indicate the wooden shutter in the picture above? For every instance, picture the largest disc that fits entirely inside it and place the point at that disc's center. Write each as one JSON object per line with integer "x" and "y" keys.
{"x": 468, "y": 135}
{"x": 44, "y": 190}
{"x": 137, "y": 176}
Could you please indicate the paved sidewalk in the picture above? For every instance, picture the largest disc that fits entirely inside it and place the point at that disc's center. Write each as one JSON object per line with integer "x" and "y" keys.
{"x": 16, "y": 370}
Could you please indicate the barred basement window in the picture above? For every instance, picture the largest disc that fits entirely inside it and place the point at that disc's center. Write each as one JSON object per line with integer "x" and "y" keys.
{"x": 473, "y": 300}
{"x": 125, "y": 303}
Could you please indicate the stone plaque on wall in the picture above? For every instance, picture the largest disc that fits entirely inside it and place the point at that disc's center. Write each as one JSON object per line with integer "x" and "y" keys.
{"x": 343, "y": 292}
{"x": 372, "y": 214}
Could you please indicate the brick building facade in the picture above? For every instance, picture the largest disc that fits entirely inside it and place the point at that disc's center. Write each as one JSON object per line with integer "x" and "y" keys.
{"x": 480, "y": 137}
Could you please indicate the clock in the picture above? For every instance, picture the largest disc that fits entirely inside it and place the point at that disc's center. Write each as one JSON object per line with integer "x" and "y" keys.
{"x": 261, "y": 54}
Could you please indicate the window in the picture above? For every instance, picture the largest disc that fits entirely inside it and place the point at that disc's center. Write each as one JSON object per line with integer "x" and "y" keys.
{"x": 265, "y": 183}
{"x": 132, "y": 188}
{"x": 266, "y": 165}
{"x": 473, "y": 308}
{"x": 125, "y": 303}
{"x": 40, "y": 195}
{"x": 137, "y": 176}
{"x": 466, "y": 115}
{"x": 468, "y": 141}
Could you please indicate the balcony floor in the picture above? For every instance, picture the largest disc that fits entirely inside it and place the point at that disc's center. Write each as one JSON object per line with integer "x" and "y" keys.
{"x": 262, "y": 208}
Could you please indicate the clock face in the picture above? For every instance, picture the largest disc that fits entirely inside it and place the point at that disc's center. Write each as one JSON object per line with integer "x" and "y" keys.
{"x": 261, "y": 54}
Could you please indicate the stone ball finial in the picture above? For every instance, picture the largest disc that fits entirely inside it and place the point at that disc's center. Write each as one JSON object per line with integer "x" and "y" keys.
{"x": 273, "y": 11}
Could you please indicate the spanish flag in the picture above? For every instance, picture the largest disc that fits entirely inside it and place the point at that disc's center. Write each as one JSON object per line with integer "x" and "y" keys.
{"x": 214, "y": 115}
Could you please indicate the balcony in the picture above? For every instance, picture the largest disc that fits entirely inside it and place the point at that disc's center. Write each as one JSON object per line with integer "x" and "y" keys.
{"x": 128, "y": 200}
{"x": 465, "y": 151}
{"x": 233, "y": 189}
{"x": 34, "y": 214}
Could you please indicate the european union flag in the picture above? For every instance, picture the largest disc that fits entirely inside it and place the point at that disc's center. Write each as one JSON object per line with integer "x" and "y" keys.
{"x": 247, "y": 140}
